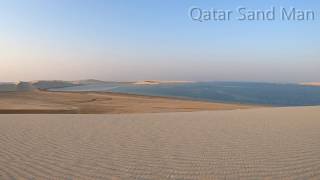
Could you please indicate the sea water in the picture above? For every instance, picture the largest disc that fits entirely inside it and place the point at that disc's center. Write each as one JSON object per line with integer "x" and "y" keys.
{"x": 228, "y": 92}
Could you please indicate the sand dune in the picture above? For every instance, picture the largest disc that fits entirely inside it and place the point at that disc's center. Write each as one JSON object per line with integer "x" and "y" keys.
{"x": 47, "y": 84}
{"x": 8, "y": 87}
{"x": 311, "y": 84}
{"x": 280, "y": 143}
{"x": 25, "y": 87}
{"x": 17, "y": 87}
{"x": 53, "y": 84}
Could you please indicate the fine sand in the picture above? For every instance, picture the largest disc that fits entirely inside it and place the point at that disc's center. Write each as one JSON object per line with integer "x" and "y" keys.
{"x": 265, "y": 143}
{"x": 44, "y": 102}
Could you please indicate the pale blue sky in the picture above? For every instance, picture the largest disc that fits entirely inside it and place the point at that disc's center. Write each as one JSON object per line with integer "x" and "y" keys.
{"x": 134, "y": 40}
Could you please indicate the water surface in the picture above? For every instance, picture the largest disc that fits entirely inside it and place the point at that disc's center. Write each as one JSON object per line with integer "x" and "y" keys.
{"x": 230, "y": 92}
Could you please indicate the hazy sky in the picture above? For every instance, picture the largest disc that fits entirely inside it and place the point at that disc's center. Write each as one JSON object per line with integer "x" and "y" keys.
{"x": 134, "y": 40}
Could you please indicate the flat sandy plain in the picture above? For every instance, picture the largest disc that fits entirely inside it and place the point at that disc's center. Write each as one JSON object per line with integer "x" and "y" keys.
{"x": 44, "y": 102}
{"x": 263, "y": 143}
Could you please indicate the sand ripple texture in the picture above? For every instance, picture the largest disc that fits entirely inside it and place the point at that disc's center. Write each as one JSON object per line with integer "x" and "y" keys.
{"x": 267, "y": 143}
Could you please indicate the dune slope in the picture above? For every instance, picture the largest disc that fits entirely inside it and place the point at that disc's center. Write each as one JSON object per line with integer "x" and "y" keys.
{"x": 242, "y": 144}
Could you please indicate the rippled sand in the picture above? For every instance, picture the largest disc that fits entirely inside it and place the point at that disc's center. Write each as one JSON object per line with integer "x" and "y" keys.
{"x": 241, "y": 144}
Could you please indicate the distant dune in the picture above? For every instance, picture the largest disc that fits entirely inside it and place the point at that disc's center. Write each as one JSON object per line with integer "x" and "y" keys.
{"x": 270, "y": 143}
{"x": 154, "y": 82}
{"x": 17, "y": 87}
{"x": 49, "y": 84}
{"x": 25, "y": 87}
{"x": 8, "y": 87}
{"x": 53, "y": 84}
{"x": 311, "y": 84}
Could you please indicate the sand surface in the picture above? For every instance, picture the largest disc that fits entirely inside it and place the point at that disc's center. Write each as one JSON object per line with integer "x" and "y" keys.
{"x": 43, "y": 102}
{"x": 266, "y": 143}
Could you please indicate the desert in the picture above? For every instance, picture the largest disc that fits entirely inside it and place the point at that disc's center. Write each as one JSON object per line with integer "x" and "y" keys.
{"x": 263, "y": 143}
{"x": 159, "y": 90}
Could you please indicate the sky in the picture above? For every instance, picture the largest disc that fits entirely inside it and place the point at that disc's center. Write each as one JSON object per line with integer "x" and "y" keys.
{"x": 136, "y": 40}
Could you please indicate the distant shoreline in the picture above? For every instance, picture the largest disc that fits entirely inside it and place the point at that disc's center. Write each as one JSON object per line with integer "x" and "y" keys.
{"x": 240, "y": 93}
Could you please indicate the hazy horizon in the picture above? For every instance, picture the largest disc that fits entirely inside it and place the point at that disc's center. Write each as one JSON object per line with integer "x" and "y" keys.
{"x": 143, "y": 40}
{"x": 173, "y": 80}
